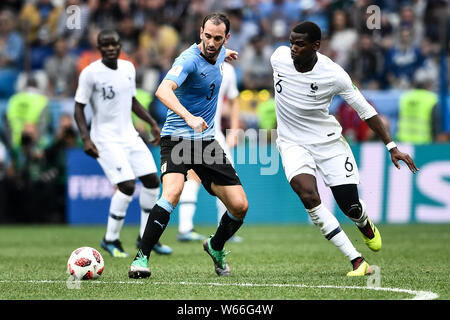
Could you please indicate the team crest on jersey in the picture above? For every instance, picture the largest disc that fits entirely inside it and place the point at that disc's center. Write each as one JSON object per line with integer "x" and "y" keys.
{"x": 313, "y": 89}
{"x": 221, "y": 69}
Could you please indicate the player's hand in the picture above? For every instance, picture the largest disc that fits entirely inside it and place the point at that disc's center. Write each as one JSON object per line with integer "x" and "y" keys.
{"x": 197, "y": 123}
{"x": 396, "y": 156}
{"x": 230, "y": 55}
{"x": 156, "y": 133}
{"x": 90, "y": 149}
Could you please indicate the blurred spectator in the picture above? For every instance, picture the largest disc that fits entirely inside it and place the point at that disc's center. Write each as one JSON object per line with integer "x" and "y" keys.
{"x": 409, "y": 20}
{"x": 27, "y": 161}
{"x": 316, "y": 11}
{"x": 11, "y": 53}
{"x": 437, "y": 19}
{"x": 366, "y": 63}
{"x": 27, "y": 107}
{"x": 418, "y": 118}
{"x": 278, "y": 17}
{"x": 256, "y": 72}
{"x": 158, "y": 44}
{"x": 61, "y": 70}
{"x": 129, "y": 36}
{"x": 343, "y": 38}
{"x": 402, "y": 61}
{"x": 102, "y": 14}
{"x": 240, "y": 31}
{"x": 39, "y": 20}
{"x": 13, "y": 5}
{"x": 123, "y": 8}
{"x": 53, "y": 177}
{"x": 190, "y": 33}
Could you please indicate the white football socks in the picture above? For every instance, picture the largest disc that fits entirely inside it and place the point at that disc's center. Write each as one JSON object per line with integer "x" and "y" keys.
{"x": 332, "y": 231}
{"x": 147, "y": 200}
{"x": 187, "y": 206}
{"x": 117, "y": 212}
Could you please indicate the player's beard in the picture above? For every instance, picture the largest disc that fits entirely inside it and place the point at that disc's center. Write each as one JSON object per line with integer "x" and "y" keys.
{"x": 211, "y": 56}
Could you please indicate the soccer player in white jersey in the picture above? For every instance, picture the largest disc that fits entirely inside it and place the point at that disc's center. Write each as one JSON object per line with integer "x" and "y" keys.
{"x": 108, "y": 84}
{"x": 188, "y": 198}
{"x": 309, "y": 138}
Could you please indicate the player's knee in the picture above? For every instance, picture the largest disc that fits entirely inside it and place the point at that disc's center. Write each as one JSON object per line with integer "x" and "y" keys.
{"x": 150, "y": 181}
{"x": 355, "y": 211}
{"x": 239, "y": 207}
{"x": 127, "y": 187}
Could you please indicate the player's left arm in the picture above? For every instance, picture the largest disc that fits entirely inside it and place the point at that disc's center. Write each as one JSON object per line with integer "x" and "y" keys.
{"x": 377, "y": 126}
{"x": 366, "y": 112}
{"x": 139, "y": 110}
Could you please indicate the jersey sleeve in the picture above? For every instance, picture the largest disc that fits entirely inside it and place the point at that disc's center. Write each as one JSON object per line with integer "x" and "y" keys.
{"x": 180, "y": 70}
{"x": 350, "y": 93}
{"x": 232, "y": 90}
{"x": 133, "y": 78}
{"x": 85, "y": 87}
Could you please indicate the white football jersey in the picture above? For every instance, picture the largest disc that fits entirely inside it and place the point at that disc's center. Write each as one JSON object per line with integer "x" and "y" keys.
{"x": 110, "y": 94}
{"x": 228, "y": 89}
{"x": 303, "y": 99}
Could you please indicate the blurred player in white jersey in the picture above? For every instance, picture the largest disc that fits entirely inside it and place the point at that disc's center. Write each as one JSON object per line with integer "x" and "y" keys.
{"x": 108, "y": 84}
{"x": 310, "y": 139}
{"x": 188, "y": 198}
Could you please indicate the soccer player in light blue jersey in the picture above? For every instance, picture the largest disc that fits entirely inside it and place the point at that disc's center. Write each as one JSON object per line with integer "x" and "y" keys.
{"x": 190, "y": 92}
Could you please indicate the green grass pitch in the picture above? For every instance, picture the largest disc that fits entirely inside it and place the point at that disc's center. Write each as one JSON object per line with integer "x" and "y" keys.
{"x": 273, "y": 263}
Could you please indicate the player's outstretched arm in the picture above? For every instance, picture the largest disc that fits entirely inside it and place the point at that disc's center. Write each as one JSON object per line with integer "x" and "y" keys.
{"x": 139, "y": 110}
{"x": 166, "y": 95}
{"x": 80, "y": 119}
{"x": 377, "y": 126}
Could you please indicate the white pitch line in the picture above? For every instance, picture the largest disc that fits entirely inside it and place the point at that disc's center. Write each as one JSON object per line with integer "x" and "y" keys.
{"x": 417, "y": 294}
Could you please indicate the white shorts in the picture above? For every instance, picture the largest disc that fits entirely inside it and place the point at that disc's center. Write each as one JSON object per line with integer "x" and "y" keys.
{"x": 123, "y": 162}
{"x": 220, "y": 138}
{"x": 333, "y": 159}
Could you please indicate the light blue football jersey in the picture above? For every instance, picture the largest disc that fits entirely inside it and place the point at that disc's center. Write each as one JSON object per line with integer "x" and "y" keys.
{"x": 198, "y": 83}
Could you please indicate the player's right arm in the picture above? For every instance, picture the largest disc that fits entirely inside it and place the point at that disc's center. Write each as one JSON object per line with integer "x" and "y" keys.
{"x": 82, "y": 96}
{"x": 166, "y": 94}
{"x": 80, "y": 119}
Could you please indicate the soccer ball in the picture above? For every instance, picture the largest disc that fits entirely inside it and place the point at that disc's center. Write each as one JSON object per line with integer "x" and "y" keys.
{"x": 85, "y": 263}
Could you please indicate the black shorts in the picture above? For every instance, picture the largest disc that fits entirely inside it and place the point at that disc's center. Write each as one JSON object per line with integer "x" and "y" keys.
{"x": 205, "y": 157}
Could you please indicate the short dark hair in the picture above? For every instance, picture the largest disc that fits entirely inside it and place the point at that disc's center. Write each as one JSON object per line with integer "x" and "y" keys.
{"x": 310, "y": 28}
{"x": 106, "y": 32}
{"x": 217, "y": 18}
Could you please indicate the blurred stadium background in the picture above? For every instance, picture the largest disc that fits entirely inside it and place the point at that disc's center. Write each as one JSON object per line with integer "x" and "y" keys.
{"x": 46, "y": 178}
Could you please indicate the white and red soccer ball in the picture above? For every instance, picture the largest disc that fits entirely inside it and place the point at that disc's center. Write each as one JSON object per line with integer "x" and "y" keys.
{"x": 85, "y": 263}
